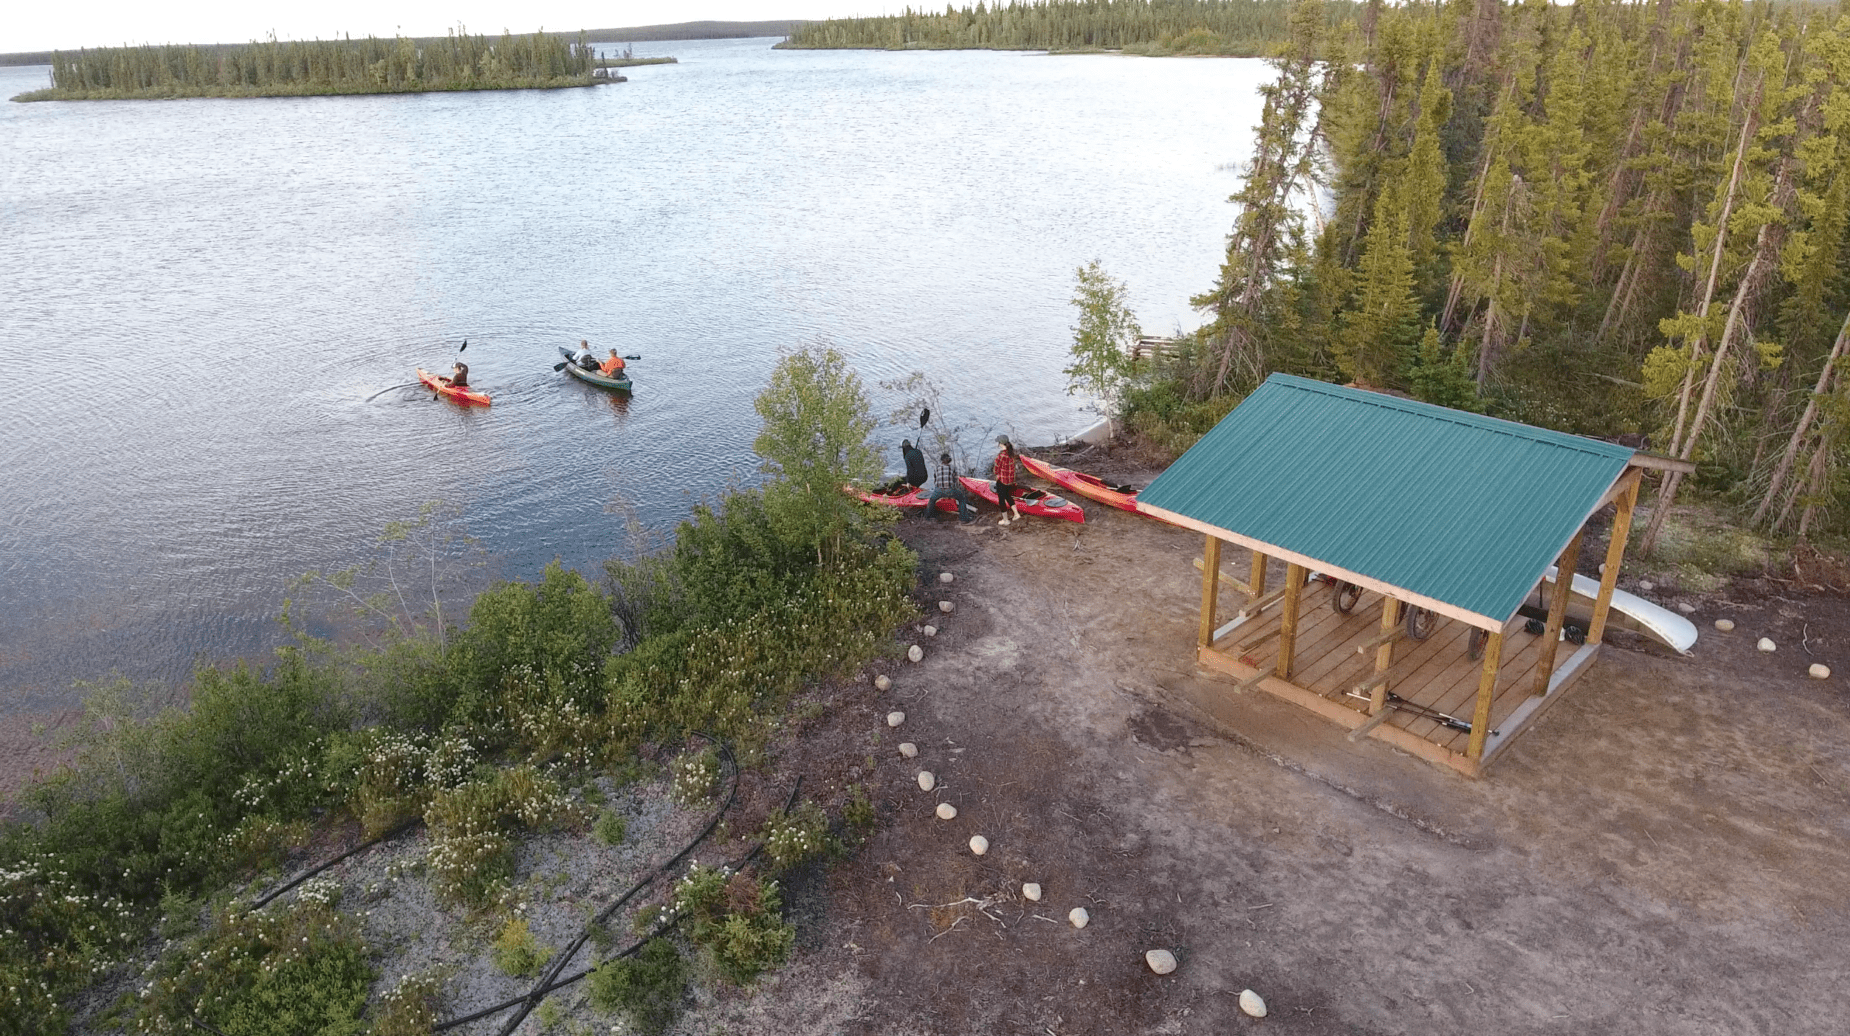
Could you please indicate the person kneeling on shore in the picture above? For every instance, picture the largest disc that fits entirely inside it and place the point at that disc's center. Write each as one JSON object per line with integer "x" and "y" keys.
{"x": 945, "y": 483}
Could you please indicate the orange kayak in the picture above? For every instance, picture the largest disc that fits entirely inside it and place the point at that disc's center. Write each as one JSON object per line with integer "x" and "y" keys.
{"x": 1123, "y": 498}
{"x": 454, "y": 394}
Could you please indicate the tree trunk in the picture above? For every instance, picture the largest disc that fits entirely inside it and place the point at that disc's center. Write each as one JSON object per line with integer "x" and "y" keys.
{"x": 1784, "y": 467}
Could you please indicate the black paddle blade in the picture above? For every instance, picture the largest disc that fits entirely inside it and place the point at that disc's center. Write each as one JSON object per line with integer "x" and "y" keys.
{"x": 463, "y": 346}
{"x": 632, "y": 357}
{"x": 559, "y": 366}
{"x": 924, "y": 416}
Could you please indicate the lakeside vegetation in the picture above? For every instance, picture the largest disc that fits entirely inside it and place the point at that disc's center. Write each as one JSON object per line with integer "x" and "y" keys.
{"x": 486, "y": 734}
{"x": 1244, "y": 28}
{"x": 1620, "y": 220}
{"x": 298, "y": 68}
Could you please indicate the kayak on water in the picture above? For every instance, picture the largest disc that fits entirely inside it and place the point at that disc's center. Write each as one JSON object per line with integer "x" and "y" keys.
{"x": 1027, "y": 501}
{"x": 593, "y": 377}
{"x": 1124, "y": 498}
{"x": 455, "y": 395}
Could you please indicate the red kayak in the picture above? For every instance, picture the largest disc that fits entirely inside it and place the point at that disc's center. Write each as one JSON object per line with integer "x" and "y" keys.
{"x": 1027, "y": 501}
{"x": 910, "y": 498}
{"x": 1124, "y": 498}
{"x": 454, "y": 394}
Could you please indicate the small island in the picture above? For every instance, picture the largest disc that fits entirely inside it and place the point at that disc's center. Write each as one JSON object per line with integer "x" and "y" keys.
{"x": 296, "y": 68}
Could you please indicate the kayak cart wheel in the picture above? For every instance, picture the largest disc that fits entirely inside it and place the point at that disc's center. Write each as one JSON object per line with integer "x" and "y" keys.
{"x": 1344, "y": 597}
{"x": 1420, "y": 623}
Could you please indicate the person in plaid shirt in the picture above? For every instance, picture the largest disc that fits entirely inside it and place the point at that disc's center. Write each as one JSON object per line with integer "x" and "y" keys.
{"x": 944, "y": 484}
{"x": 1006, "y": 492}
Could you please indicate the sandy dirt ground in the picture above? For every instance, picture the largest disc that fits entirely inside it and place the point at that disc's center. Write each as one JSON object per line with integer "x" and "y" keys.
{"x": 1665, "y": 852}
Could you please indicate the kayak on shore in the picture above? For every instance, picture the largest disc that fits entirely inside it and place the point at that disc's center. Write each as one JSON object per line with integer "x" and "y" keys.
{"x": 910, "y": 498}
{"x": 1124, "y": 498}
{"x": 461, "y": 396}
{"x": 594, "y": 377}
{"x": 1027, "y": 501}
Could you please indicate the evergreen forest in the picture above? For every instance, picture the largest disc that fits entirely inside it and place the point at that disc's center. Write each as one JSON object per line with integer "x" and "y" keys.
{"x": 274, "y": 68}
{"x": 1247, "y": 28}
{"x": 1624, "y": 220}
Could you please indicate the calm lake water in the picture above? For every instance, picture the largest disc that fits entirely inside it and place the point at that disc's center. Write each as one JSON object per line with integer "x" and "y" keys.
{"x": 205, "y": 305}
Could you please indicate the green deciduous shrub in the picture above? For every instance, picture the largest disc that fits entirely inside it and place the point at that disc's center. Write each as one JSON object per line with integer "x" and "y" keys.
{"x": 516, "y": 952}
{"x": 647, "y": 987}
{"x": 409, "y": 1008}
{"x": 473, "y": 828}
{"x": 293, "y": 968}
{"x": 736, "y": 918}
{"x": 609, "y": 828}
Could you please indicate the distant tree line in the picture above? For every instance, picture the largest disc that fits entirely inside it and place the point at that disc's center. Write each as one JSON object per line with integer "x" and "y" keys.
{"x": 458, "y": 61}
{"x": 1149, "y": 26}
{"x": 1608, "y": 218}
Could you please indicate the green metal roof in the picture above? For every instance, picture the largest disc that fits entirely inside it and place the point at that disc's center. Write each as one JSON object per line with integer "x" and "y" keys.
{"x": 1458, "y": 507}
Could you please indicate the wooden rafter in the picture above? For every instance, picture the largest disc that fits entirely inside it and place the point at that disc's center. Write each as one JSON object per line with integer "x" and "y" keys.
{"x": 1615, "y": 553}
{"x": 1557, "y": 612}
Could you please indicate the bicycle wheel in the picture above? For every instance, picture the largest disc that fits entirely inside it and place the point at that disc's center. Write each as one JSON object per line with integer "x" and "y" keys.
{"x": 1474, "y": 645}
{"x": 1420, "y": 623}
{"x": 1344, "y": 596}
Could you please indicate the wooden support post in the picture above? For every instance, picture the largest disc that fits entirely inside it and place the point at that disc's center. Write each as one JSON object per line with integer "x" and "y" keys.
{"x": 1384, "y": 655}
{"x": 1288, "y": 624}
{"x": 1615, "y": 553}
{"x": 1210, "y": 572}
{"x": 1255, "y": 581}
{"x": 1557, "y": 614}
{"x": 1486, "y": 690}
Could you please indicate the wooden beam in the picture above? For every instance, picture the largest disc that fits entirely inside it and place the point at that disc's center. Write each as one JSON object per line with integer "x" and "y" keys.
{"x": 1620, "y": 486}
{"x": 1376, "y": 683}
{"x": 1227, "y": 580}
{"x": 1486, "y": 690}
{"x": 1252, "y": 681}
{"x": 1252, "y": 642}
{"x": 1657, "y": 462}
{"x": 1557, "y": 613}
{"x": 1210, "y": 571}
{"x": 1615, "y": 553}
{"x": 1288, "y": 623}
{"x": 1255, "y": 581}
{"x": 1450, "y": 611}
{"x": 1391, "y": 630}
{"x": 1393, "y": 636}
{"x": 1259, "y": 604}
{"x": 1373, "y": 721}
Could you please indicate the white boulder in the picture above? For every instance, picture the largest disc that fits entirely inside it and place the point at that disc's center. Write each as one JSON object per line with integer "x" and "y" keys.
{"x": 916, "y": 653}
{"x": 946, "y": 811}
{"x": 1766, "y": 645}
{"x": 1819, "y": 671}
{"x": 908, "y": 749}
{"x": 883, "y": 682}
{"x": 926, "y": 781}
{"x": 1252, "y": 1003}
{"x": 1079, "y": 917}
{"x": 1031, "y": 892}
{"x": 1646, "y": 585}
{"x": 946, "y": 607}
{"x": 1724, "y": 624}
{"x": 978, "y": 844}
{"x": 1686, "y": 608}
{"x": 945, "y": 577}
{"x": 894, "y": 719}
{"x": 930, "y": 631}
{"x": 1160, "y": 961}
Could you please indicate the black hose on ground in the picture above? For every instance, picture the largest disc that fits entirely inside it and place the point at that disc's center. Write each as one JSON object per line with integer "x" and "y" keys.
{"x": 362, "y": 847}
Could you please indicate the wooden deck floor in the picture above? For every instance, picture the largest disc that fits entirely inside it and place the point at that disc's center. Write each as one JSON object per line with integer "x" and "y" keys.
{"x": 1435, "y": 672}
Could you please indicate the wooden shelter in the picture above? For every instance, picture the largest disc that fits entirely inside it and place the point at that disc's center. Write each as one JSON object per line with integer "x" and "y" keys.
{"x": 1397, "y": 506}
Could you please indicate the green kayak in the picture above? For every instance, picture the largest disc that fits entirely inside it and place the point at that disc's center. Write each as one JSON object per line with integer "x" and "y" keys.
{"x": 595, "y": 378}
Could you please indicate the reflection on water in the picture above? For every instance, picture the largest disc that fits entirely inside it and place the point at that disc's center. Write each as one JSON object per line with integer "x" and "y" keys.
{"x": 208, "y": 303}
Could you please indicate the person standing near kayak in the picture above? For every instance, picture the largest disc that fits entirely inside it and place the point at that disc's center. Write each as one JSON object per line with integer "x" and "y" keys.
{"x": 915, "y": 463}
{"x": 1006, "y": 492}
{"x": 944, "y": 484}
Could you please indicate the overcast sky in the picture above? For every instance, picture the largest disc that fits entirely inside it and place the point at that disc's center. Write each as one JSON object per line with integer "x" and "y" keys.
{"x": 52, "y": 25}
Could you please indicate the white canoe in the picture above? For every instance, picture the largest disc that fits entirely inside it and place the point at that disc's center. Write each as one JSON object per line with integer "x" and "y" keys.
{"x": 1628, "y": 611}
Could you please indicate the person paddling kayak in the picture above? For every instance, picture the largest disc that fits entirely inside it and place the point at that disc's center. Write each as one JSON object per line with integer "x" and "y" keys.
{"x": 613, "y": 367}
{"x": 583, "y": 358}
{"x": 459, "y": 378}
{"x": 1006, "y": 491}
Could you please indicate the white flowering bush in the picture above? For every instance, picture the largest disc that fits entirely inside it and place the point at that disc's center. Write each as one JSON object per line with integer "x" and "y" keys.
{"x": 55, "y": 938}
{"x": 292, "y": 968}
{"x": 797, "y": 836}
{"x": 696, "y": 777}
{"x": 409, "y": 1007}
{"x": 472, "y": 829}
